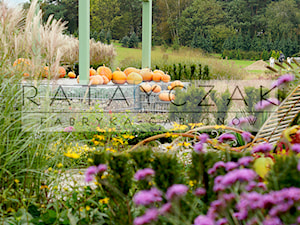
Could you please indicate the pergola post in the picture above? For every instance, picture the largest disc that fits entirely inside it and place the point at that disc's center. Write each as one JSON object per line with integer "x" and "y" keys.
{"x": 147, "y": 33}
{"x": 84, "y": 41}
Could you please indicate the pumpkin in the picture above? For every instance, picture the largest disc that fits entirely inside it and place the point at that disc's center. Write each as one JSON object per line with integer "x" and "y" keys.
{"x": 157, "y": 75}
{"x": 129, "y": 70}
{"x": 92, "y": 71}
{"x": 166, "y": 96}
{"x": 45, "y": 72}
{"x": 166, "y": 78}
{"x": 96, "y": 80}
{"x": 62, "y": 72}
{"x": 156, "y": 88}
{"x": 71, "y": 75}
{"x": 22, "y": 65}
{"x": 134, "y": 78}
{"x": 119, "y": 77}
{"x": 103, "y": 70}
{"x": 177, "y": 83}
{"x": 105, "y": 80}
{"x": 147, "y": 74}
{"x": 145, "y": 87}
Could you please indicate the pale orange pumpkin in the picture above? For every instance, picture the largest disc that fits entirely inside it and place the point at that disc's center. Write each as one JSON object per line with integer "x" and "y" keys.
{"x": 119, "y": 77}
{"x": 71, "y": 75}
{"x": 166, "y": 96}
{"x": 145, "y": 87}
{"x": 147, "y": 74}
{"x": 166, "y": 78}
{"x": 45, "y": 72}
{"x": 177, "y": 83}
{"x": 96, "y": 80}
{"x": 156, "y": 88}
{"x": 129, "y": 70}
{"x": 103, "y": 70}
{"x": 134, "y": 78}
{"x": 105, "y": 80}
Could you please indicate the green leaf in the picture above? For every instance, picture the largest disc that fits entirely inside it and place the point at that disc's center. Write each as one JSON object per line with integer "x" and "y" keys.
{"x": 262, "y": 166}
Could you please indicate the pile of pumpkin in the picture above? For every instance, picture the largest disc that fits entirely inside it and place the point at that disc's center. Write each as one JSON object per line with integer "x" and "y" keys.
{"x": 131, "y": 75}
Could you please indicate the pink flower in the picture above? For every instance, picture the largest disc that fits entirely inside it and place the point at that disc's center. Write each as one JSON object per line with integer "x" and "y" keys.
{"x": 296, "y": 148}
{"x": 262, "y": 148}
{"x": 101, "y": 168}
{"x": 147, "y": 197}
{"x": 245, "y": 161}
{"x": 203, "y": 220}
{"x": 226, "y": 137}
{"x": 267, "y": 104}
{"x": 176, "y": 190}
{"x": 203, "y": 138}
{"x": 198, "y": 147}
{"x": 165, "y": 208}
{"x": 200, "y": 192}
{"x": 246, "y": 136}
{"x": 69, "y": 129}
{"x": 283, "y": 80}
{"x": 144, "y": 173}
{"x": 230, "y": 166}
{"x": 149, "y": 216}
{"x": 90, "y": 172}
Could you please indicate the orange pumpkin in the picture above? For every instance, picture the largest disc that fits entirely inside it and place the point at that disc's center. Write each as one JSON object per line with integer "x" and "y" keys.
{"x": 105, "y": 80}
{"x": 45, "y": 72}
{"x": 134, "y": 78}
{"x": 166, "y": 78}
{"x": 129, "y": 70}
{"x": 103, "y": 70}
{"x": 62, "y": 72}
{"x": 147, "y": 74}
{"x": 156, "y": 88}
{"x": 145, "y": 87}
{"x": 26, "y": 75}
{"x": 119, "y": 77}
{"x": 166, "y": 96}
{"x": 157, "y": 75}
{"x": 177, "y": 83}
{"x": 92, "y": 71}
{"x": 71, "y": 75}
{"x": 22, "y": 64}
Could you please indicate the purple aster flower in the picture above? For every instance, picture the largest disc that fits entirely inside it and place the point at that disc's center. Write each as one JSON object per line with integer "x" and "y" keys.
{"x": 296, "y": 148}
{"x": 231, "y": 166}
{"x": 90, "y": 172}
{"x": 246, "y": 136}
{"x": 272, "y": 221}
{"x": 267, "y": 104}
{"x": 216, "y": 166}
{"x": 69, "y": 129}
{"x": 228, "y": 197}
{"x": 176, "y": 190}
{"x": 251, "y": 186}
{"x": 144, "y": 173}
{"x": 198, "y": 147}
{"x": 263, "y": 148}
{"x": 203, "y": 220}
{"x": 149, "y": 216}
{"x": 147, "y": 197}
{"x": 298, "y": 220}
{"x": 245, "y": 161}
{"x": 226, "y": 137}
{"x": 283, "y": 80}
{"x": 222, "y": 221}
{"x": 262, "y": 185}
{"x": 203, "y": 138}
{"x": 298, "y": 165}
{"x": 200, "y": 192}
{"x": 101, "y": 168}
{"x": 165, "y": 208}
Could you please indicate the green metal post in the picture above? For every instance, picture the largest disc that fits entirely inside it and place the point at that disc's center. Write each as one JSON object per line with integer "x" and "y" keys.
{"x": 84, "y": 41}
{"x": 147, "y": 33}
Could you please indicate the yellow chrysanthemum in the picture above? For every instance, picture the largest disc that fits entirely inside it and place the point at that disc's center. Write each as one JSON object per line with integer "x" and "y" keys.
{"x": 104, "y": 200}
{"x": 72, "y": 155}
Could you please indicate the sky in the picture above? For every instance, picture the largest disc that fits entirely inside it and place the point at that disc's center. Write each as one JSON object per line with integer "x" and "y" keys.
{"x": 15, "y": 2}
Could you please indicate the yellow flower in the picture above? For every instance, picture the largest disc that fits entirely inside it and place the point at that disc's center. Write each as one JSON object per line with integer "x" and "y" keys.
{"x": 100, "y": 137}
{"x": 193, "y": 125}
{"x": 50, "y": 169}
{"x": 168, "y": 135}
{"x": 81, "y": 209}
{"x": 186, "y": 144}
{"x": 174, "y": 136}
{"x": 104, "y": 200}
{"x": 59, "y": 165}
{"x": 90, "y": 160}
{"x": 220, "y": 127}
{"x": 17, "y": 181}
{"x": 44, "y": 187}
{"x": 87, "y": 208}
{"x": 72, "y": 155}
{"x": 100, "y": 130}
{"x": 169, "y": 147}
{"x": 192, "y": 183}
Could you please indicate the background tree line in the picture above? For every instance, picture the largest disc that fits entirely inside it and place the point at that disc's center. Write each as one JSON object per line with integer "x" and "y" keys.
{"x": 212, "y": 25}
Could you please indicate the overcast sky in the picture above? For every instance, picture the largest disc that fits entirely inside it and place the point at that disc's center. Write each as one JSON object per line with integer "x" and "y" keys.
{"x": 15, "y": 2}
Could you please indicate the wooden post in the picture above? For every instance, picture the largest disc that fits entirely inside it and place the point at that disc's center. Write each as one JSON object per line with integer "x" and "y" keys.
{"x": 84, "y": 41}
{"x": 147, "y": 33}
